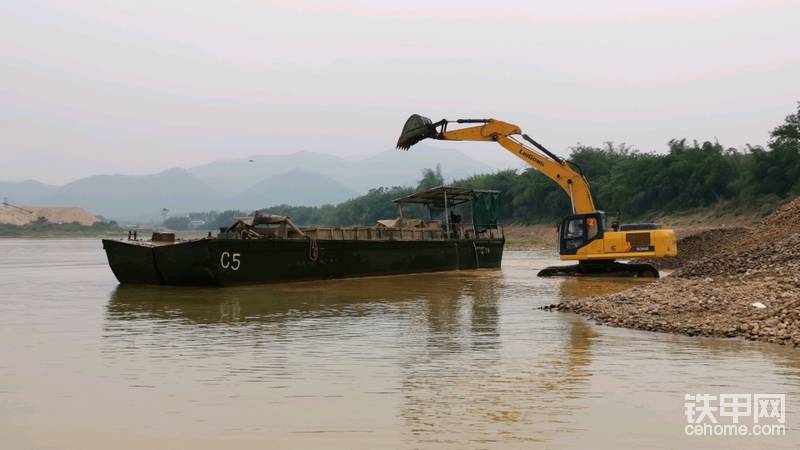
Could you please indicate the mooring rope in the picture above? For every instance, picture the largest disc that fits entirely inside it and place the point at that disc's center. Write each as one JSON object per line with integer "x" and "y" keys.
{"x": 313, "y": 249}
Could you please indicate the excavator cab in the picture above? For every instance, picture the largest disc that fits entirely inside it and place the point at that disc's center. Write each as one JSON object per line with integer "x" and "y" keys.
{"x": 584, "y": 237}
{"x": 578, "y": 230}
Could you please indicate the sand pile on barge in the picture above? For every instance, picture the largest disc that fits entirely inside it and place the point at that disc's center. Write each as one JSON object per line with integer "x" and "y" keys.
{"x": 738, "y": 282}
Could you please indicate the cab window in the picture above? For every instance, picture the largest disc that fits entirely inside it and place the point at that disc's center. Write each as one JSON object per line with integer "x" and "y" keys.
{"x": 574, "y": 229}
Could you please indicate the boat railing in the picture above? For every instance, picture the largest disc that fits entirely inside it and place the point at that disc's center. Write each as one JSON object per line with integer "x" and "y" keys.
{"x": 457, "y": 231}
{"x": 462, "y": 231}
{"x": 374, "y": 234}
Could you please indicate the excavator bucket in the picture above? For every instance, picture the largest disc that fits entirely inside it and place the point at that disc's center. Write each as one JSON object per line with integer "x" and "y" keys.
{"x": 416, "y": 129}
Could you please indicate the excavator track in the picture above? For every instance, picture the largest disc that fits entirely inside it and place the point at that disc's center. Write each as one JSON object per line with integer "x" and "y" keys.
{"x": 601, "y": 269}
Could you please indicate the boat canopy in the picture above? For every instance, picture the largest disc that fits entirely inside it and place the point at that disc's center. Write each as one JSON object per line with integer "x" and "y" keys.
{"x": 436, "y": 197}
{"x": 485, "y": 203}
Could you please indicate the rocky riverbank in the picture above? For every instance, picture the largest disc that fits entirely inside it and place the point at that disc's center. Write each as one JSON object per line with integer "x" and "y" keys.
{"x": 735, "y": 282}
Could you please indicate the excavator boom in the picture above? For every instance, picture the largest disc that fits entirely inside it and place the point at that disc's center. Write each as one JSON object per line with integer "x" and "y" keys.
{"x": 571, "y": 181}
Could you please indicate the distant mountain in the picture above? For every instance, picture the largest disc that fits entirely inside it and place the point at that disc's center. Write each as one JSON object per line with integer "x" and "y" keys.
{"x": 389, "y": 168}
{"x": 141, "y": 197}
{"x": 235, "y": 175}
{"x": 296, "y": 187}
{"x": 302, "y": 178}
{"x": 23, "y": 192}
{"x": 134, "y": 195}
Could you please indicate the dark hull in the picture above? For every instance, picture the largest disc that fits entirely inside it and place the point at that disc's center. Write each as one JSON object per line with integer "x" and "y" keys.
{"x": 232, "y": 262}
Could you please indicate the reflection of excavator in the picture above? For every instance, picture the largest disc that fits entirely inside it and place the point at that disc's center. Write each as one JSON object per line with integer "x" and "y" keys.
{"x": 583, "y": 236}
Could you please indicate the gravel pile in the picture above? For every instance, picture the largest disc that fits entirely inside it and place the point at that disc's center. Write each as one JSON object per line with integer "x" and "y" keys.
{"x": 730, "y": 282}
{"x": 772, "y": 245}
{"x": 776, "y": 255}
{"x": 784, "y": 221}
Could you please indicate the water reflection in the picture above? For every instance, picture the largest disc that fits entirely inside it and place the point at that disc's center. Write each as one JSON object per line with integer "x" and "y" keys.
{"x": 444, "y": 312}
{"x": 514, "y": 394}
{"x": 462, "y": 360}
{"x": 586, "y": 287}
{"x": 443, "y": 296}
{"x": 469, "y": 364}
{"x": 456, "y": 359}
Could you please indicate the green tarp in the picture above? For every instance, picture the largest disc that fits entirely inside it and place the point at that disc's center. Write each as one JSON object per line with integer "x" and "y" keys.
{"x": 485, "y": 209}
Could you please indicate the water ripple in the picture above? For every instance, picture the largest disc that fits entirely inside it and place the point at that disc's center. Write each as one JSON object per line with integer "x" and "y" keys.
{"x": 447, "y": 360}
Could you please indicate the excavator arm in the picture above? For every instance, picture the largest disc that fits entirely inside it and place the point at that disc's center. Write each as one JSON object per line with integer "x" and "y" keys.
{"x": 557, "y": 169}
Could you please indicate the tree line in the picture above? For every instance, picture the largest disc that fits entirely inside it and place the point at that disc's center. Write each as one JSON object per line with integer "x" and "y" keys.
{"x": 636, "y": 184}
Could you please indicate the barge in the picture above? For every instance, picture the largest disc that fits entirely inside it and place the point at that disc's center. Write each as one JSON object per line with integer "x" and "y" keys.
{"x": 458, "y": 229}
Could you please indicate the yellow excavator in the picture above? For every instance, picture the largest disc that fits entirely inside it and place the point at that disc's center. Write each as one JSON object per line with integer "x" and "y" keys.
{"x": 583, "y": 236}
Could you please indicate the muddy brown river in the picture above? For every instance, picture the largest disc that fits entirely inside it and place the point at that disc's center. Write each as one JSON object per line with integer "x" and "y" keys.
{"x": 450, "y": 360}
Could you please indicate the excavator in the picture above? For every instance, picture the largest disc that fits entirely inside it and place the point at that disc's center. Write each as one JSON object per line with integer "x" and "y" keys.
{"x": 583, "y": 236}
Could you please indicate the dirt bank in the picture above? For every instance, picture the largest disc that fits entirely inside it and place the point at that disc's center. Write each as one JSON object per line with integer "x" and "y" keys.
{"x": 24, "y": 215}
{"x": 731, "y": 282}
{"x": 531, "y": 237}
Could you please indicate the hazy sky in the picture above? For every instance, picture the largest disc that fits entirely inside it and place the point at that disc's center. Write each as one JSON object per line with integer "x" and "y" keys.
{"x": 92, "y": 87}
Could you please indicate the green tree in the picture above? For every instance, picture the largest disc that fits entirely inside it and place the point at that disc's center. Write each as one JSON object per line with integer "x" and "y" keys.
{"x": 775, "y": 172}
{"x": 431, "y": 178}
{"x": 225, "y": 218}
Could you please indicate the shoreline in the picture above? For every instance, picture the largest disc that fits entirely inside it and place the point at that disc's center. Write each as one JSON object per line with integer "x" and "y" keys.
{"x": 721, "y": 307}
{"x": 729, "y": 282}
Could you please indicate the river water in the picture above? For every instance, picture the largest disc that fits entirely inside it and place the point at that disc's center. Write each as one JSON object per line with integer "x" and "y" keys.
{"x": 452, "y": 360}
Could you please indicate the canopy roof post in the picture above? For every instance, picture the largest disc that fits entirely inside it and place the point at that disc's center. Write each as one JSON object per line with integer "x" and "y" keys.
{"x": 446, "y": 216}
